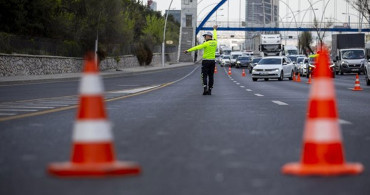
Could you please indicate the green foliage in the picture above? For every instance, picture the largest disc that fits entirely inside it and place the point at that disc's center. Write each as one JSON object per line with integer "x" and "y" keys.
{"x": 74, "y": 23}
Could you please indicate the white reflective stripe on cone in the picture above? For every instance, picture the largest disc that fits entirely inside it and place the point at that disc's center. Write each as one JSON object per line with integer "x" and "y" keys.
{"x": 91, "y": 84}
{"x": 322, "y": 130}
{"x": 322, "y": 88}
{"x": 92, "y": 130}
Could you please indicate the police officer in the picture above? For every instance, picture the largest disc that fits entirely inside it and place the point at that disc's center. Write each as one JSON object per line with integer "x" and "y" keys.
{"x": 209, "y": 56}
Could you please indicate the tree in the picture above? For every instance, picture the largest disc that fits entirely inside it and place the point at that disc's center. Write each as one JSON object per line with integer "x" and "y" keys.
{"x": 305, "y": 41}
{"x": 363, "y": 6}
{"x": 320, "y": 32}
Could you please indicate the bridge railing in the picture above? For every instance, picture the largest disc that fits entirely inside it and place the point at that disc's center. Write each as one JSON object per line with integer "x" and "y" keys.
{"x": 236, "y": 24}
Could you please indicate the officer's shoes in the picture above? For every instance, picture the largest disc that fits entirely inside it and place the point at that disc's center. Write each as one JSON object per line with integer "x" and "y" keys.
{"x": 205, "y": 92}
{"x": 209, "y": 91}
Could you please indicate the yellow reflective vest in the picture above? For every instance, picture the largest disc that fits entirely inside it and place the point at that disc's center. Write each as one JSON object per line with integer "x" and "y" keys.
{"x": 209, "y": 47}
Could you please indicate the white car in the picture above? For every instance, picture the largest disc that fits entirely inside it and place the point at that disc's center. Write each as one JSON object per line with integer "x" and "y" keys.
{"x": 302, "y": 65}
{"x": 367, "y": 73}
{"x": 225, "y": 61}
{"x": 278, "y": 67}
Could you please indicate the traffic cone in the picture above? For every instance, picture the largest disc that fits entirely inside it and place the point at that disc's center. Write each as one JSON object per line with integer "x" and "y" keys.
{"x": 294, "y": 78}
{"x": 92, "y": 153}
{"x": 229, "y": 73}
{"x": 357, "y": 84}
{"x": 309, "y": 79}
{"x": 243, "y": 73}
{"x": 298, "y": 77}
{"x": 216, "y": 70}
{"x": 322, "y": 152}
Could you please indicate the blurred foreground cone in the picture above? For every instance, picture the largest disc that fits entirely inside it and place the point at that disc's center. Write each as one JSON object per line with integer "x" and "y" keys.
{"x": 357, "y": 84}
{"x": 243, "y": 73}
{"x": 294, "y": 79}
{"x": 92, "y": 153}
{"x": 298, "y": 77}
{"x": 322, "y": 152}
{"x": 216, "y": 70}
{"x": 229, "y": 73}
{"x": 309, "y": 79}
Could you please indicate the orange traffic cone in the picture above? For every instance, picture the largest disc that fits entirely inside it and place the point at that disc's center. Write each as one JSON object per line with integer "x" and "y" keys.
{"x": 294, "y": 76}
{"x": 243, "y": 73}
{"x": 323, "y": 153}
{"x": 92, "y": 153}
{"x": 229, "y": 73}
{"x": 357, "y": 84}
{"x": 299, "y": 77}
{"x": 309, "y": 79}
{"x": 216, "y": 70}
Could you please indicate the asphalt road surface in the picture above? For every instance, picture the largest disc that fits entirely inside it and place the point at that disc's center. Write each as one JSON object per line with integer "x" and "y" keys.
{"x": 231, "y": 143}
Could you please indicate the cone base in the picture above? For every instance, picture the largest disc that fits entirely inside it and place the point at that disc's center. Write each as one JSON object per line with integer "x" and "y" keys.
{"x": 354, "y": 89}
{"x": 322, "y": 170}
{"x": 117, "y": 168}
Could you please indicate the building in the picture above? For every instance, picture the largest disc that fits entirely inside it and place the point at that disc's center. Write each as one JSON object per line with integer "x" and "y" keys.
{"x": 176, "y": 14}
{"x": 187, "y": 29}
{"x": 260, "y": 13}
{"x": 152, "y": 5}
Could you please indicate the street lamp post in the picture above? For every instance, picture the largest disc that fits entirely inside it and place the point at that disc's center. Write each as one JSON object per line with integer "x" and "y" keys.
{"x": 359, "y": 20}
{"x": 164, "y": 33}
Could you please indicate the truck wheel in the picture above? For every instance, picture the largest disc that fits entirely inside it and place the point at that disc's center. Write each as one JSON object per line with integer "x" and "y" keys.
{"x": 341, "y": 71}
{"x": 266, "y": 79}
{"x": 254, "y": 79}
{"x": 367, "y": 78}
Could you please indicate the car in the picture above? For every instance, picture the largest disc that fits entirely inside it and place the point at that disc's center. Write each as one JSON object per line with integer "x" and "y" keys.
{"x": 367, "y": 73}
{"x": 243, "y": 61}
{"x": 312, "y": 65}
{"x": 294, "y": 59}
{"x": 218, "y": 58}
{"x": 225, "y": 61}
{"x": 253, "y": 63}
{"x": 278, "y": 67}
{"x": 234, "y": 56}
{"x": 302, "y": 65}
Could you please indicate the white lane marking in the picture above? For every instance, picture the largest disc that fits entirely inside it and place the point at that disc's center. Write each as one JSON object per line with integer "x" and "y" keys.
{"x": 17, "y": 110}
{"x": 344, "y": 122}
{"x": 259, "y": 95}
{"x": 128, "y": 85}
{"x": 26, "y": 107}
{"x": 7, "y": 114}
{"x": 241, "y": 86}
{"x": 135, "y": 90}
{"x": 279, "y": 103}
{"x": 237, "y": 83}
{"x": 248, "y": 89}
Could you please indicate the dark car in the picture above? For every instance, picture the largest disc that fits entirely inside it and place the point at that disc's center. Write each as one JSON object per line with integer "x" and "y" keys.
{"x": 253, "y": 64}
{"x": 243, "y": 61}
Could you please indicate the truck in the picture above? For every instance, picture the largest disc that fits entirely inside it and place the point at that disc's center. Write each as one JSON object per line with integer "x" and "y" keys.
{"x": 290, "y": 50}
{"x": 348, "y": 53}
{"x": 268, "y": 45}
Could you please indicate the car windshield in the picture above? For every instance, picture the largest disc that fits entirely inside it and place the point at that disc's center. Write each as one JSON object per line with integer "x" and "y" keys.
{"x": 293, "y": 58}
{"x": 235, "y": 56}
{"x": 353, "y": 54}
{"x": 292, "y": 52}
{"x": 299, "y": 60}
{"x": 226, "y": 57}
{"x": 243, "y": 58}
{"x": 256, "y": 60}
{"x": 267, "y": 61}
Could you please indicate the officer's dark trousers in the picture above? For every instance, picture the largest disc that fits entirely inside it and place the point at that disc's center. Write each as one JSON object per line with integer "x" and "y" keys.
{"x": 208, "y": 67}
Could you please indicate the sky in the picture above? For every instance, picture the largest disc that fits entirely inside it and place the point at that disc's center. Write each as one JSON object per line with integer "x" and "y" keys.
{"x": 341, "y": 7}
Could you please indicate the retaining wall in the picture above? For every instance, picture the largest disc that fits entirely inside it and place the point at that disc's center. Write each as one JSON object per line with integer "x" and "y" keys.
{"x": 19, "y": 65}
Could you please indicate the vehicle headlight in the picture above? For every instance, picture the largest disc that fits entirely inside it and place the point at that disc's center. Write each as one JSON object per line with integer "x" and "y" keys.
{"x": 275, "y": 70}
{"x": 345, "y": 63}
{"x": 238, "y": 62}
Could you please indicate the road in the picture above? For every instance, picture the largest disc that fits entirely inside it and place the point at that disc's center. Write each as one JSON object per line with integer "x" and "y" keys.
{"x": 231, "y": 143}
